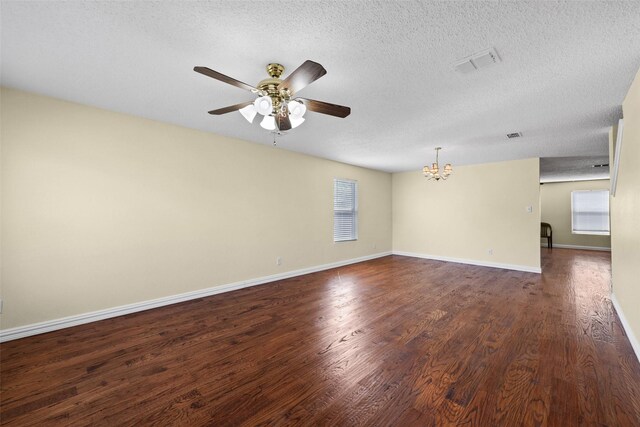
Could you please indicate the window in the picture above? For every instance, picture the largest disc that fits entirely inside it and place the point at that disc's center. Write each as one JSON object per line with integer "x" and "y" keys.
{"x": 590, "y": 212}
{"x": 345, "y": 210}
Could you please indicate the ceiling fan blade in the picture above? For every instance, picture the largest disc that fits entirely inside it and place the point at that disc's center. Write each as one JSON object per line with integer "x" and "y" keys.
{"x": 326, "y": 108}
{"x": 283, "y": 122}
{"x": 230, "y": 108}
{"x": 302, "y": 76}
{"x": 219, "y": 76}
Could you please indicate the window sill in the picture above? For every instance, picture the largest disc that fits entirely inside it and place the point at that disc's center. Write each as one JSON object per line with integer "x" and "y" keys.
{"x": 593, "y": 233}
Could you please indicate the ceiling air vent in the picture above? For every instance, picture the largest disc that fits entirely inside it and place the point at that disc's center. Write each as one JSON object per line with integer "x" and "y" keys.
{"x": 477, "y": 61}
{"x": 600, "y": 166}
{"x": 514, "y": 135}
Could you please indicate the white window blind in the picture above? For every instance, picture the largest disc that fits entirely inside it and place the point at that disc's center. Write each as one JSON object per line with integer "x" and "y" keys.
{"x": 590, "y": 212}
{"x": 345, "y": 210}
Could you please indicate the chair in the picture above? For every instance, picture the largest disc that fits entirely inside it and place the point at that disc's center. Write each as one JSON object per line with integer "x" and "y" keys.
{"x": 546, "y": 233}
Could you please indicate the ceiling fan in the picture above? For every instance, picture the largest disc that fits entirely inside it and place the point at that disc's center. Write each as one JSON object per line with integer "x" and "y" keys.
{"x": 276, "y": 100}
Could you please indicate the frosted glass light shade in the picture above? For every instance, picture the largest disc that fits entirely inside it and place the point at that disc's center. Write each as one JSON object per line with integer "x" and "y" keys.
{"x": 295, "y": 121}
{"x": 296, "y": 110}
{"x": 263, "y": 105}
{"x": 249, "y": 112}
{"x": 268, "y": 123}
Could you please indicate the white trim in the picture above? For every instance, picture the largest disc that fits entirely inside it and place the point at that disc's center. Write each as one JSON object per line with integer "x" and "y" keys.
{"x": 586, "y": 248}
{"x": 79, "y": 319}
{"x": 625, "y": 325}
{"x": 577, "y": 179}
{"x": 517, "y": 267}
{"x": 616, "y": 159}
{"x": 592, "y": 233}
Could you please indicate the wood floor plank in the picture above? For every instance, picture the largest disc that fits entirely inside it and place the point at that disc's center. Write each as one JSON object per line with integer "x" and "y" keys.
{"x": 392, "y": 341}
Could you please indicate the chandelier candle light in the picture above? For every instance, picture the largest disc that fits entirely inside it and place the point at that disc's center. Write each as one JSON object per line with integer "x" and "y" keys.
{"x": 433, "y": 172}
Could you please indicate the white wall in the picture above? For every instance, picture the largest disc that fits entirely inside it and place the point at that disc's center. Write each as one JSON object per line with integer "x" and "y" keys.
{"x": 101, "y": 209}
{"x": 480, "y": 207}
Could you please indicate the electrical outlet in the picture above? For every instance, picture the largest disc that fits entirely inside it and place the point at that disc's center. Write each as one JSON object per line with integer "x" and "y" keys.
{"x": 279, "y": 260}
{"x": 529, "y": 209}
{"x": 490, "y": 251}
{"x": 375, "y": 246}
{"x": 0, "y": 306}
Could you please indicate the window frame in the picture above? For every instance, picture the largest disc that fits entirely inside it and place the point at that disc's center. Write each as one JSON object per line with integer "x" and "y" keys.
{"x": 354, "y": 210}
{"x": 592, "y": 232}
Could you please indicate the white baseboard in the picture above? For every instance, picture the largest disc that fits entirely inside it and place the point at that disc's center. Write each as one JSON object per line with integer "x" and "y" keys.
{"x": 526, "y": 268}
{"x": 587, "y": 248}
{"x": 635, "y": 344}
{"x": 66, "y": 322}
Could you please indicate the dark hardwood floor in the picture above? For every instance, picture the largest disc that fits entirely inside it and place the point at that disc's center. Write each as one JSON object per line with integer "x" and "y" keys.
{"x": 394, "y": 341}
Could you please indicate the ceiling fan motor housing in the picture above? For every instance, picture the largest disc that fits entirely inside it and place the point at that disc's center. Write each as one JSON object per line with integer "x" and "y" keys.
{"x": 275, "y": 70}
{"x": 270, "y": 87}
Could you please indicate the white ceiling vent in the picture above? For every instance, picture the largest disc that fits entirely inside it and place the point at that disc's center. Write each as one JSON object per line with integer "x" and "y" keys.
{"x": 514, "y": 135}
{"x": 477, "y": 61}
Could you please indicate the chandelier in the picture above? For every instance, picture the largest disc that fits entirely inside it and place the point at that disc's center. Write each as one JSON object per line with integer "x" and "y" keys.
{"x": 433, "y": 172}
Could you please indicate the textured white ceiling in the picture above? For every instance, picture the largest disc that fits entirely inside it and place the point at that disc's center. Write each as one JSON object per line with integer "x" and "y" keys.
{"x": 558, "y": 169}
{"x": 565, "y": 69}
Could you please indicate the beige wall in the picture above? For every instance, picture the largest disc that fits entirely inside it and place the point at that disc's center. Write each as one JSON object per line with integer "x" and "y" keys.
{"x": 101, "y": 209}
{"x": 555, "y": 208}
{"x": 625, "y": 215}
{"x": 480, "y": 207}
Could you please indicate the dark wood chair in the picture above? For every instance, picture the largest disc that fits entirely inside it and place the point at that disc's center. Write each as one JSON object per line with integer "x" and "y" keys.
{"x": 546, "y": 233}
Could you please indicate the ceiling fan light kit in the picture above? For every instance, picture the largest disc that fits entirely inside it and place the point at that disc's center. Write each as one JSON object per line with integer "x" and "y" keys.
{"x": 433, "y": 172}
{"x": 263, "y": 105}
{"x": 268, "y": 123}
{"x": 296, "y": 109}
{"x": 275, "y": 97}
{"x": 295, "y": 122}
{"x": 249, "y": 112}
